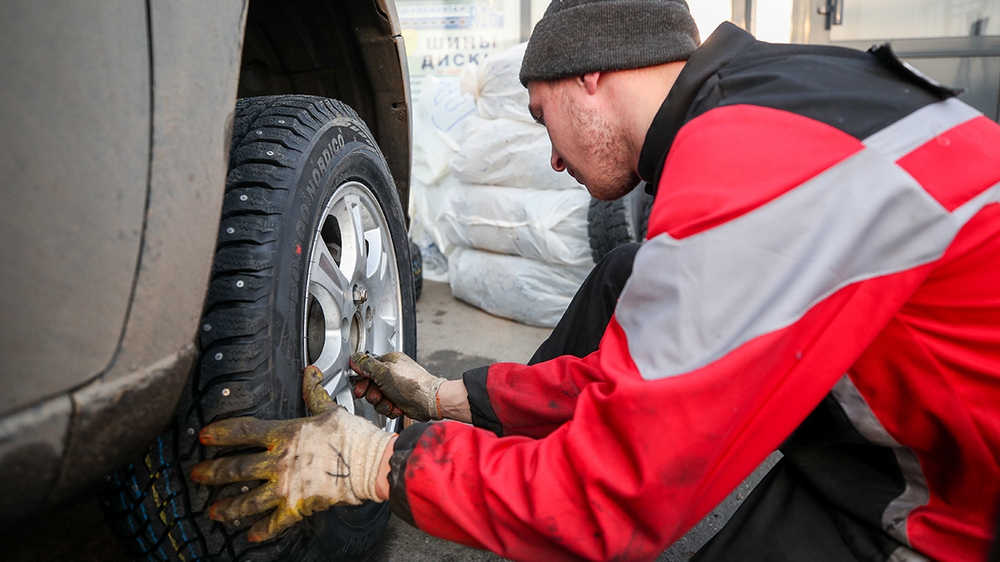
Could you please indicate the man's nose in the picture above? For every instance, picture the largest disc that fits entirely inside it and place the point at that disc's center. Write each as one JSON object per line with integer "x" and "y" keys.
{"x": 557, "y": 162}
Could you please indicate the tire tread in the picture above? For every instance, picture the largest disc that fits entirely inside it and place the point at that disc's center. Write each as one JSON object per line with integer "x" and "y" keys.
{"x": 607, "y": 227}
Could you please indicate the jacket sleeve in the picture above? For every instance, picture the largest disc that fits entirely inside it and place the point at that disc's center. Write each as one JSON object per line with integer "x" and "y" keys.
{"x": 754, "y": 294}
{"x": 513, "y": 399}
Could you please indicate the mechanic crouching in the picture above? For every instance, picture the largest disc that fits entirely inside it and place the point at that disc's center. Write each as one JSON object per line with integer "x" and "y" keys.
{"x": 821, "y": 277}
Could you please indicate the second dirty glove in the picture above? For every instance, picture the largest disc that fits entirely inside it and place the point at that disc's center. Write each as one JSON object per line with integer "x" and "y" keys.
{"x": 310, "y": 463}
{"x": 407, "y": 386}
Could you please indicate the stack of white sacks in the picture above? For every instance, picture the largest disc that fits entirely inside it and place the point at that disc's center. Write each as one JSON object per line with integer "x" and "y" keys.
{"x": 487, "y": 211}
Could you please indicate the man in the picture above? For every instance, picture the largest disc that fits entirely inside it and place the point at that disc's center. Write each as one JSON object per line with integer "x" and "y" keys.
{"x": 821, "y": 275}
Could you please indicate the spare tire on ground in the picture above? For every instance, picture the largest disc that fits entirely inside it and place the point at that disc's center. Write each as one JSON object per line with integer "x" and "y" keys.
{"x": 613, "y": 223}
{"x": 312, "y": 263}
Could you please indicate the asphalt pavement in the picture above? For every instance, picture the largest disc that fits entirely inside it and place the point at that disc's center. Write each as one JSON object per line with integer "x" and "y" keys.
{"x": 452, "y": 337}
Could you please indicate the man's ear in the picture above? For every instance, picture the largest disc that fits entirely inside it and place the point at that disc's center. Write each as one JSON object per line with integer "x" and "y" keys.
{"x": 590, "y": 81}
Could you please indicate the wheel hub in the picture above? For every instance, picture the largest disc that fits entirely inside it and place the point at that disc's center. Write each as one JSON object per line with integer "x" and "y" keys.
{"x": 354, "y": 299}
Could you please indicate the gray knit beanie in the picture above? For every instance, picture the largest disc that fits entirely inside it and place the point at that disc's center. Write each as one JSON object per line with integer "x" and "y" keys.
{"x": 579, "y": 36}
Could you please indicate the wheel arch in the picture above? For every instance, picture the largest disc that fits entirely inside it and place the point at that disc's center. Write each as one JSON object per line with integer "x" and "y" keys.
{"x": 348, "y": 50}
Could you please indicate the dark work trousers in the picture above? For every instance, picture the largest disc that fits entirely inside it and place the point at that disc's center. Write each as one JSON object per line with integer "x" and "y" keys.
{"x": 995, "y": 553}
{"x": 787, "y": 517}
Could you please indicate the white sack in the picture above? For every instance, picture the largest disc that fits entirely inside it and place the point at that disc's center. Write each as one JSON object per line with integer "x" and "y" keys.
{"x": 521, "y": 289}
{"x": 508, "y": 152}
{"x": 440, "y": 119}
{"x": 496, "y": 86}
{"x": 426, "y": 203}
{"x": 548, "y": 226}
{"x": 434, "y": 261}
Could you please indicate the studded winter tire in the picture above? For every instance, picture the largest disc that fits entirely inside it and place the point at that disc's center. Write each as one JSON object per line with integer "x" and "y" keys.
{"x": 613, "y": 223}
{"x": 312, "y": 263}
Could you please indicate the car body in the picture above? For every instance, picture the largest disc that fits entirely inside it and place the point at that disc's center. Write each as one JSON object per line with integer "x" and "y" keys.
{"x": 117, "y": 118}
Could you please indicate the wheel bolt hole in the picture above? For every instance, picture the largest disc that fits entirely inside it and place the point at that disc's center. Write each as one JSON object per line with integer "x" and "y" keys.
{"x": 315, "y": 330}
{"x": 330, "y": 233}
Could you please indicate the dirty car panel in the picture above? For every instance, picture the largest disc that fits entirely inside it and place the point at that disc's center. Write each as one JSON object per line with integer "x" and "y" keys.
{"x": 116, "y": 118}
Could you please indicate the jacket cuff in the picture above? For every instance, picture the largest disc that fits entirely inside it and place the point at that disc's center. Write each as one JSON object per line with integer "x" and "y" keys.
{"x": 401, "y": 451}
{"x": 483, "y": 415}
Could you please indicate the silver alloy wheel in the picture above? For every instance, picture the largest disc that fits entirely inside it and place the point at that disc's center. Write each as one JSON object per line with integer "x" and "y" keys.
{"x": 354, "y": 301}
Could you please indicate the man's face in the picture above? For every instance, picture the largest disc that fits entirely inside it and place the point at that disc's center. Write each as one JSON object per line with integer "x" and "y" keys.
{"x": 586, "y": 142}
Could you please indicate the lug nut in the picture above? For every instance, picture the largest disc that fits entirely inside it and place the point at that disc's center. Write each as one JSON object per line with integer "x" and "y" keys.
{"x": 360, "y": 294}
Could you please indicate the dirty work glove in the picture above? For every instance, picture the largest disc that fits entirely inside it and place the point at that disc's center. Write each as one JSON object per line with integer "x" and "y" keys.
{"x": 401, "y": 385}
{"x": 310, "y": 464}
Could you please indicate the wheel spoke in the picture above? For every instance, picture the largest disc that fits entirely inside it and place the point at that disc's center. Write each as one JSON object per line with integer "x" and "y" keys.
{"x": 337, "y": 384}
{"x": 384, "y": 334}
{"x": 375, "y": 262}
{"x": 325, "y": 272}
{"x": 348, "y": 214}
{"x": 337, "y": 388}
{"x": 358, "y": 232}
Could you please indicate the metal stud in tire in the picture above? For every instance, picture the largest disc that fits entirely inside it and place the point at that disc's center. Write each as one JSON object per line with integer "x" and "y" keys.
{"x": 312, "y": 262}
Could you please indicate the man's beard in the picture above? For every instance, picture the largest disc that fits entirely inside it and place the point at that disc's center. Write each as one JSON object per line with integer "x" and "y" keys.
{"x": 613, "y": 174}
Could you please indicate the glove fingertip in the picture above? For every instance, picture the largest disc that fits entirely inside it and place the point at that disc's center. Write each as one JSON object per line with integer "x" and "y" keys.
{"x": 200, "y": 472}
{"x": 311, "y": 377}
{"x": 207, "y": 435}
{"x": 315, "y": 396}
{"x": 361, "y": 388}
{"x": 356, "y": 361}
{"x": 259, "y": 532}
{"x": 374, "y": 395}
{"x": 312, "y": 371}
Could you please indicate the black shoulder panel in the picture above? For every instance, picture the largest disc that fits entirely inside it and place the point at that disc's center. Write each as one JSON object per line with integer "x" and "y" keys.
{"x": 407, "y": 441}
{"x": 857, "y": 92}
{"x": 483, "y": 415}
